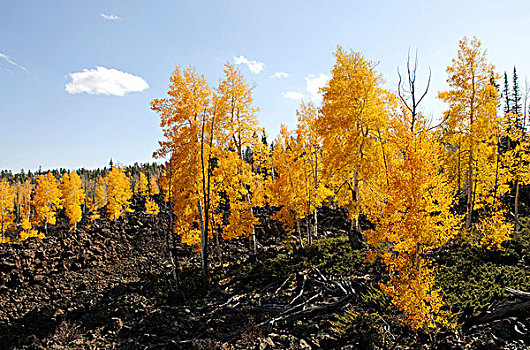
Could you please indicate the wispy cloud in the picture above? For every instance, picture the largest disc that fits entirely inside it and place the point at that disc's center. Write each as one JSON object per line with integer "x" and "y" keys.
{"x": 105, "y": 81}
{"x": 255, "y": 67}
{"x": 280, "y": 75}
{"x": 313, "y": 84}
{"x": 10, "y": 61}
{"x": 110, "y": 17}
{"x": 293, "y": 95}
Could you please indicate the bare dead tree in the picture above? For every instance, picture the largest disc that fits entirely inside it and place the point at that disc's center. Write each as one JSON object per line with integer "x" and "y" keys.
{"x": 407, "y": 89}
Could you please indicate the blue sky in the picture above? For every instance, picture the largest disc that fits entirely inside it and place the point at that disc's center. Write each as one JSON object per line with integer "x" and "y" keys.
{"x": 58, "y": 110}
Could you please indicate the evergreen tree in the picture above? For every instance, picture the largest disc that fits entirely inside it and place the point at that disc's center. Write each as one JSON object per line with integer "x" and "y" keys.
{"x": 506, "y": 95}
{"x": 516, "y": 100}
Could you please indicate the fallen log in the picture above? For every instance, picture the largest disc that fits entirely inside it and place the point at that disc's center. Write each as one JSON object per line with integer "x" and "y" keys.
{"x": 502, "y": 311}
{"x": 519, "y": 293}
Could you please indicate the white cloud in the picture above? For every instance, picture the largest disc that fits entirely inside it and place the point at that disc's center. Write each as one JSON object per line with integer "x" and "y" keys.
{"x": 254, "y": 66}
{"x": 110, "y": 17}
{"x": 280, "y": 75}
{"x": 313, "y": 84}
{"x": 10, "y": 61}
{"x": 293, "y": 95}
{"x": 105, "y": 81}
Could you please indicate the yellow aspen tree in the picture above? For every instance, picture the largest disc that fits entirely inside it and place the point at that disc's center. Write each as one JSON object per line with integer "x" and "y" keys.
{"x": 73, "y": 197}
{"x": 287, "y": 188}
{"x": 238, "y": 130}
{"x": 411, "y": 211}
{"x": 297, "y": 188}
{"x": 517, "y": 160}
{"x": 118, "y": 194}
{"x": 94, "y": 204}
{"x": 30, "y": 233}
{"x": 142, "y": 185}
{"x": 163, "y": 185}
{"x": 310, "y": 144}
{"x": 24, "y": 191}
{"x": 472, "y": 131}
{"x": 353, "y": 116}
{"x": 7, "y": 207}
{"x": 47, "y": 200}
{"x": 205, "y": 133}
{"x": 153, "y": 186}
{"x": 91, "y": 208}
{"x": 188, "y": 122}
{"x": 151, "y": 207}
{"x": 234, "y": 178}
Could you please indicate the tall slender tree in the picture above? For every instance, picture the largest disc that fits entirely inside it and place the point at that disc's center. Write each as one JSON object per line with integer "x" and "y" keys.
{"x": 47, "y": 200}
{"x": 7, "y": 207}
{"x": 354, "y": 115}
{"x": 472, "y": 126}
{"x": 73, "y": 197}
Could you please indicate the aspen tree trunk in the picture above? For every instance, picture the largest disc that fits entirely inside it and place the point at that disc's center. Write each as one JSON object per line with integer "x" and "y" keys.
{"x": 218, "y": 247}
{"x": 315, "y": 179}
{"x": 299, "y": 233}
{"x": 356, "y": 233}
{"x": 170, "y": 232}
{"x": 315, "y": 226}
{"x": 496, "y": 177}
{"x": 473, "y": 196}
{"x": 470, "y": 190}
{"x": 204, "y": 242}
{"x": 458, "y": 170}
{"x": 253, "y": 242}
{"x": 308, "y": 229}
{"x": 516, "y": 225}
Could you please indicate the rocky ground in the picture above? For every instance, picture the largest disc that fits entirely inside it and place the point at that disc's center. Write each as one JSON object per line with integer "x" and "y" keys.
{"x": 110, "y": 286}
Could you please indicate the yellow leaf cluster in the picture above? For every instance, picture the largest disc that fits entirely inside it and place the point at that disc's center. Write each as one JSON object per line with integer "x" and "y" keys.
{"x": 153, "y": 187}
{"x": 118, "y": 194}
{"x": 99, "y": 200}
{"x": 23, "y": 191}
{"x": 354, "y": 113}
{"x": 297, "y": 188}
{"x": 472, "y": 131}
{"x": 206, "y": 132}
{"x": 7, "y": 206}
{"x": 31, "y": 233}
{"x": 412, "y": 211}
{"x": 151, "y": 207}
{"x": 47, "y": 199}
{"x": 73, "y": 197}
{"x": 141, "y": 187}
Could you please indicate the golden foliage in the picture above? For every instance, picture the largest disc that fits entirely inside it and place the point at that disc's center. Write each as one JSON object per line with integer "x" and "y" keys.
{"x": 7, "y": 206}
{"x": 412, "y": 210}
{"x": 31, "y": 233}
{"x": 23, "y": 191}
{"x": 73, "y": 197}
{"x": 205, "y": 134}
{"x": 151, "y": 207}
{"x": 141, "y": 186}
{"x": 473, "y": 132}
{"x": 298, "y": 189}
{"x": 47, "y": 200}
{"x": 153, "y": 187}
{"x": 354, "y": 114}
{"x": 118, "y": 194}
